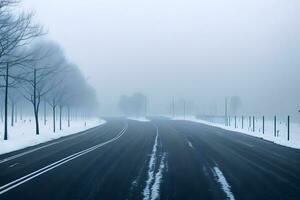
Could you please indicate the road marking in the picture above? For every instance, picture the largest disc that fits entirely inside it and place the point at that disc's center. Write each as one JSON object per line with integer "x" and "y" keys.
{"x": 42, "y": 147}
{"x": 26, "y": 152}
{"x": 13, "y": 165}
{"x": 224, "y": 184}
{"x": 28, "y": 177}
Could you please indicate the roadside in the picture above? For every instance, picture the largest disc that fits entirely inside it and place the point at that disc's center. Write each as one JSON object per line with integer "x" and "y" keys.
{"x": 268, "y": 134}
{"x": 22, "y": 134}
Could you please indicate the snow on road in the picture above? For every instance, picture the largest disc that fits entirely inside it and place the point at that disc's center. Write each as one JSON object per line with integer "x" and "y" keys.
{"x": 151, "y": 166}
{"x": 156, "y": 167}
{"x": 190, "y": 144}
{"x": 158, "y": 178}
{"x": 223, "y": 182}
{"x": 22, "y": 134}
{"x": 140, "y": 119}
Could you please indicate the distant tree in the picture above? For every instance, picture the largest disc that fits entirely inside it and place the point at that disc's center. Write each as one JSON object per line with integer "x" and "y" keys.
{"x": 40, "y": 75}
{"x": 235, "y": 104}
{"x": 134, "y": 105}
{"x": 14, "y": 98}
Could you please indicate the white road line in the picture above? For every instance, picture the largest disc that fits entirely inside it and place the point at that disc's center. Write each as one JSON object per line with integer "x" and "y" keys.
{"x": 42, "y": 147}
{"x": 26, "y": 152}
{"x": 13, "y": 165}
{"x": 224, "y": 184}
{"x": 16, "y": 183}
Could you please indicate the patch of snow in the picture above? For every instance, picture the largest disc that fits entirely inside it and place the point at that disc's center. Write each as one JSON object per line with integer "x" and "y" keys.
{"x": 281, "y": 130}
{"x": 158, "y": 177}
{"x": 140, "y": 119}
{"x": 134, "y": 183}
{"x": 151, "y": 169}
{"x": 190, "y": 144}
{"x": 224, "y": 184}
{"x": 22, "y": 134}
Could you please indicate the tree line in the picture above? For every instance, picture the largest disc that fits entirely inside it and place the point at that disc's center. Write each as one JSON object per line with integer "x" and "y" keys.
{"x": 35, "y": 70}
{"x": 134, "y": 105}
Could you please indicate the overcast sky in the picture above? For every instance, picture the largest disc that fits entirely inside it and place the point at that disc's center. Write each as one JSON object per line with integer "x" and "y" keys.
{"x": 200, "y": 50}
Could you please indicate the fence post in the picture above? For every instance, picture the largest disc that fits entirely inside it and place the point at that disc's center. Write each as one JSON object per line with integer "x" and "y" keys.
{"x": 263, "y": 124}
{"x": 253, "y": 124}
{"x": 288, "y": 126}
{"x": 275, "y": 126}
{"x": 234, "y": 121}
{"x": 242, "y": 122}
{"x": 249, "y": 121}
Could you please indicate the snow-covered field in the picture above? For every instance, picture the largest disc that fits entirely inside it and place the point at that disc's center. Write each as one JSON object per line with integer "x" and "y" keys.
{"x": 281, "y": 130}
{"x": 22, "y": 134}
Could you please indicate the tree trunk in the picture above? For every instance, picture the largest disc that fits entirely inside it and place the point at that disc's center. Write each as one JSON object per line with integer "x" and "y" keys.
{"x": 5, "y": 104}
{"x": 60, "y": 110}
{"x": 35, "y": 104}
{"x": 53, "y": 110}
{"x": 36, "y": 116}
{"x": 16, "y": 113}
{"x": 2, "y": 115}
{"x": 68, "y": 116}
{"x": 21, "y": 113}
{"x": 12, "y": 113}
{"x": 45, "y": 113}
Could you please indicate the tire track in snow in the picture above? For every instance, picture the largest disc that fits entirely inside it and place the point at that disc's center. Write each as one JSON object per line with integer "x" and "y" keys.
{"x": 158, "y": 177}
{"x": 156, "y": 168}
{"x": 147, "y": 194}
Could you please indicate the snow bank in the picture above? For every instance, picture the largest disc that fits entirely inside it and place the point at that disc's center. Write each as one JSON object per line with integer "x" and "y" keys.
{"x": 140, "y": 119}
{"x": 22, "y": 134}
{"x": 281, "y": 130}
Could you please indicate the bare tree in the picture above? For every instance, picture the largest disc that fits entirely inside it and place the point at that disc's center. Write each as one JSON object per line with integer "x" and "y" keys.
{"x": 58, "y": 95}
{"x": 16, "y": 31}
{"x": 46, "y": 64}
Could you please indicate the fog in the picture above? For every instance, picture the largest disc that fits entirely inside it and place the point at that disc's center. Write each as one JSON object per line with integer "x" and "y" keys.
{"x": 199, "y": 51}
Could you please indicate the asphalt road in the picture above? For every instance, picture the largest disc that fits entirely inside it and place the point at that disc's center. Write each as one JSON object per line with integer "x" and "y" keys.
{"x": 161, "y": 159}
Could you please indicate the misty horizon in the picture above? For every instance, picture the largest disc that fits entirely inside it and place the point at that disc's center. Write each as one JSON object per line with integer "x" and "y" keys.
{"x": 201, "y": 52}
{"x": 151, "y": 100}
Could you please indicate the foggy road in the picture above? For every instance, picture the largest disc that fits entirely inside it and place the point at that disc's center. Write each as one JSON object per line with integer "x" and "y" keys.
{"x": 161, "y": 159}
